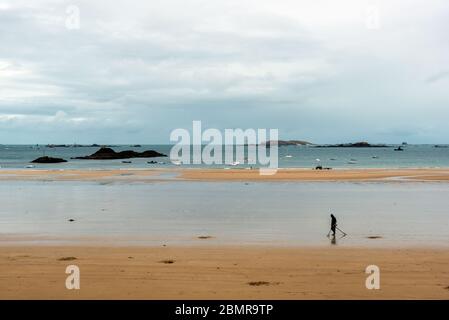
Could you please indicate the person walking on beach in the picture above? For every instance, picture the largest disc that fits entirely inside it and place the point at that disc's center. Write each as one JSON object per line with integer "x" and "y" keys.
{"x": 333, "y": 224}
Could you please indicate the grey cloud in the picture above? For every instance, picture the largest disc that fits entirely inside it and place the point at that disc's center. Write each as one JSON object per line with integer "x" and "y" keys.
{"x": 438, "y": 76}
{"x": 138, "y": 69}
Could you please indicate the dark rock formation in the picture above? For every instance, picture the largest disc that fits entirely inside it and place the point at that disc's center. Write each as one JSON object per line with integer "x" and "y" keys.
{"x": 353, "y": 145}
{"x": 48, "y": 160}
{"x": 57, "y": 146}
{"x": 109, "y": 154}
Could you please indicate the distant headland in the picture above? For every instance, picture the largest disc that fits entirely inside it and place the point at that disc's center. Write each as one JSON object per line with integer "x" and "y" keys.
{"x": 281, "y": 143}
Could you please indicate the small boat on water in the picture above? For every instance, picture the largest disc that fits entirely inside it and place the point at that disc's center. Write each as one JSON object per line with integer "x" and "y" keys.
{"x": 288, "y": 156}
{"x": 399, "y": 149}
{"x": 127, "y": 161}
{"x": 235, "y": 163}
{"x": 352, "y": 161}
{"x": 176, "y": 162}
{"x": 30, "y": 166}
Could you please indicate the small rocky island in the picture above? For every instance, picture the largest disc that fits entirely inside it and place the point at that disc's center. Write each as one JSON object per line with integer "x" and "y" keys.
{"x": 109, "y": 154}
{"x": 353, "y": 145}
{"x": 281, "y": 143}
{"x": 47, "y": 159}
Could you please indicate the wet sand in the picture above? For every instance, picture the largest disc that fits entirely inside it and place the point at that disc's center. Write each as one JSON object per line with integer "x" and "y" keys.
{"x": 297, "y": 174}
{"x": 72, "y": 174}
{"x": 176, "y": 212}
{"x": 38, "y": 272}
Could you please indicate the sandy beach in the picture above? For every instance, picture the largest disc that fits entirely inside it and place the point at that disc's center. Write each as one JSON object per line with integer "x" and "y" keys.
{"x": 38, "y": 272}
{"x": 320, "y": 175}
{"x": 215, "y": 270}
{"x": 297, "y": 174}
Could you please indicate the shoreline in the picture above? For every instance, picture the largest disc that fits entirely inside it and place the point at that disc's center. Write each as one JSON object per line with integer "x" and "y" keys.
{"x": 16, "y": 241}
{"x": 202, "y": 241}
{"x": 211, "y": 269}
{"x": 222, "y": 273}
{"x": 213, "y": 174}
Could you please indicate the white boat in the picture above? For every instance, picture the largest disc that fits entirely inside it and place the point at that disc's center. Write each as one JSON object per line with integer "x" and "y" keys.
{"x": 235, "y": 163}
{"x": 288, "y": 156}
{"x": 176, "y": 162}
{"x": 30, "y": 166}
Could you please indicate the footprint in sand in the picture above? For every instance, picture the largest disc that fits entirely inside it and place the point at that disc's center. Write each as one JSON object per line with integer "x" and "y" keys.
{"x": 167, "y": 261}
{"x": 262, "y": 283}
{"x": 67, "y": 258}
{"x": 205, "y": 237}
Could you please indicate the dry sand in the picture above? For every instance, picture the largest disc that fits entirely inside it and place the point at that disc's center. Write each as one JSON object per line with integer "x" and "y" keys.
{"x": 230, "y": 175}
{"x": 319, "y": 175}
{"x": 38, "y": 272}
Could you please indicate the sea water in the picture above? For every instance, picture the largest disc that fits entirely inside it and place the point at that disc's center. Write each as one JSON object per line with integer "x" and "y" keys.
{"x": 414, "y": 156}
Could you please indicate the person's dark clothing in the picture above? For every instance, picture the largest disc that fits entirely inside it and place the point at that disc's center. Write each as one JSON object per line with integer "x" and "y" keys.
{"x": 333, "y": 224}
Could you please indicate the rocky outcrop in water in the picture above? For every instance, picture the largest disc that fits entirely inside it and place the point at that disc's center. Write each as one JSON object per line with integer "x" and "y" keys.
{"x": 48, "y": 160}
{"x": 353, "y": 145}
{"x": 109, "y": 154}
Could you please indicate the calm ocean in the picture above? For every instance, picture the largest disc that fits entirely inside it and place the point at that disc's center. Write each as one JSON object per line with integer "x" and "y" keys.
{"x": 413, "y": 156}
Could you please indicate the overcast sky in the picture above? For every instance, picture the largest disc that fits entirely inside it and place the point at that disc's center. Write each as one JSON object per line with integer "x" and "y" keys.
{"x": 323, "y": 71}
